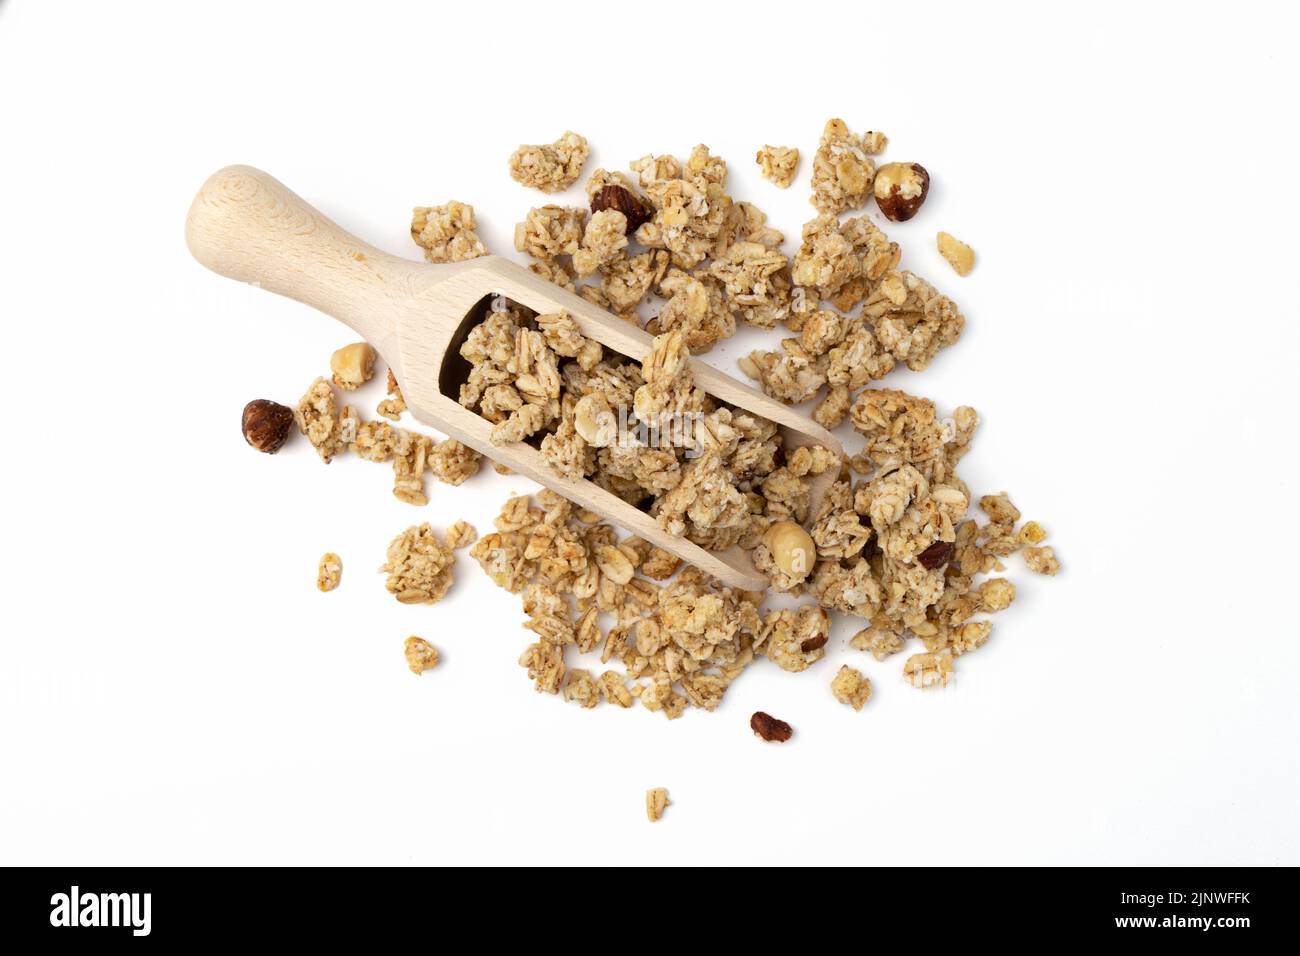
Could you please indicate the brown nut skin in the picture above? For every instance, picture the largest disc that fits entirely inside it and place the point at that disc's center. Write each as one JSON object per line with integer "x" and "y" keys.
{"x": 621, "y": 199}
{"x": 266, "y": 424}
{"x": 769, "y": 728}
{"x": 900, "y": 190}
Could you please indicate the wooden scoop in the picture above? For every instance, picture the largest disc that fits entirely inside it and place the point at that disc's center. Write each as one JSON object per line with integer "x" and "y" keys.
{"x": 248, "y": 226}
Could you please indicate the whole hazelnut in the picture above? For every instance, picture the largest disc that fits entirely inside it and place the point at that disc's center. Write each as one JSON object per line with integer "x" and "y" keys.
{"x": 353, "y": 365}
{"x": 266, "y": 424}
{"x": 900, "y": 189}
{"x": 792, "y": 549}
{"x": 620, "y": 198}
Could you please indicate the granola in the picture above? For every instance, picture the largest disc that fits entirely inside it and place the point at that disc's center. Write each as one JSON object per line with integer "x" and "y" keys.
{"x": 843, "y": 172}
{"x": 329, "y": 572}
{"x": 778, "y": 164}
{"x": 851, "y": 688}
{"x": 420, "y": 655}
{"x": 446, "y": 233}
{"x": 550, "y": 168}
{"x": 419, "y": 567}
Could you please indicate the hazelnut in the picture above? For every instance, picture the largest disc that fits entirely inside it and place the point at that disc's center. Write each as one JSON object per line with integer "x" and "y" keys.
{"x": 792, "y": 549}
{"x": 959, "y": 255}
{"x": 353, "y": 365}
{"x": 621, "y": 199}
{"x": 900, "y": 189}
{"x": 770, "y": 728}
{"x": 266, "y": 424}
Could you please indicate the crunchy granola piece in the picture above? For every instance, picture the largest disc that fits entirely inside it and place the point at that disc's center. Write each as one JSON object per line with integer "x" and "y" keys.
{"x": 460, "y": 534}
{"x": 653, "y": 169}
{"x": 690, "y": 212}
{"x": 996, "y": 594}
{"x": 811, "y": 460}
{"x": 1031, "y": 532}
{"x": 419, "y": 567}
{"x": 928, "y": 670}
{"x": 452, "y": 463}
{"x": 969, "y": 637}
{"x": 769, "y": 728}
{"x": 446, "y": 233}
{"x": 959, "y": 255}
{"x": 1041, "y": 560}
{"x": 854, "y": 589}
{"x": 912, "y": 320}
{"x": 778, "y": 164}
{"x": 410, "y": 457}
{"x": 393, "y": 406}
{"x": 556, "y": 271}
{"x": 757, "y": 282}
{"x": 696, "y": 308}
{"x": 999, "y": 508}
{"x": 581, "y": 689}
{"x": 550, "y": 231}
{"x": 613, "y": 688}
{"x": 329, "y": 572}
{"x": 795, "y": 639}
{"x": 545, "y": 664}
{"x": 318, "y": 418}
{"x": 564, "y": 338}
{"x": 843, "y": 173}
{"x": 880, "y": 641}
{"x": 420, "y": 654}
{"x": 660, "y": 564}
{"x": 604, "y": 241}
{"x": 850, "y": 687}
{"x": 899, "y": 427}
{"x": 655, "y": 801}
{"x": 625, "y": 282}
{"x": 553, "y": 168}
{"x": 521, "y": 423}
{"x": 791, "y": 376}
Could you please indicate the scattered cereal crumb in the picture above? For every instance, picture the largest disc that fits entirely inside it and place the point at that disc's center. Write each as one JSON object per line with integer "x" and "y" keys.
{"x": 928, "y": 670}
{"x": 770, "y": 728}
{"x": 851, "y": 687}
{"x": 959, "y": 255}
{"x": 552, "y": 168}
{"x": 420, "y": 655}
{"x": 1042, "y": 560}
{"x": 393, "y": 406}
{"x": 329, "y": 572}
{"x": 655, "y": 801}
{"x": 461, "y": 534}
{"x": 778, "y": 164}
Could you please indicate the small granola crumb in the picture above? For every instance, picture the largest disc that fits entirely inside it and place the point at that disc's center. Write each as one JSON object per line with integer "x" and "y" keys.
{"x": 928, "y": 670}
{"x": 1041, "y": 560}
{"x": 778, "y": 164}
{"x": 770, "y": 728}
{"x": 393, "y": 406}
{"x": 552, "y": 168}
{"x": 461, "y": 534}
{"x": 850, "y": 687}
{"x": 959, "y": 255}
{"x": 655, "y": 801}
{"x": 420, "y": 654}
{"x": 329, "y": 572}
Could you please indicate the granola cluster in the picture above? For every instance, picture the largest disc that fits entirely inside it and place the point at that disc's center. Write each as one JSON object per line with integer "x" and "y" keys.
{"x": 679, "y": 643}
{"x": 446, "y": 233}
{"x": 552, "y": 168}
{"x": 418, "y": 566}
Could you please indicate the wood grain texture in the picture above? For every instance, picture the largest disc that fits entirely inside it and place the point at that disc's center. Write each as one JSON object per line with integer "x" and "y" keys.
{"x": 246, "y": 225}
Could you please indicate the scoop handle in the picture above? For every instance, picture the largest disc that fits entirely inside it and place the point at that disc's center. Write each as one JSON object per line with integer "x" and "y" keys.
{"x": 247, "y": 225}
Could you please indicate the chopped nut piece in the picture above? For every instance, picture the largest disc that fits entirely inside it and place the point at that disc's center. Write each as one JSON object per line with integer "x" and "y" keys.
{"x": 446, "y": 233}
{"x": 420, "y": 655}
{"x": 959, "y": 255}
{"x": 266, "y": 424}
{"x": 353, "y": 365}
{"x": 419, "y": 567}
{"x": 900, "y": 190}
{"x": 851, "y": 687}
{"x": 935, "y": 556}
{"x": 655, "y": 801}
{"x": 329, "y": 572}
{"x": 552, "y": 168}
{"x": 1031, "y": 532}
{"x": 769, "y": 728}
{"x": 791, "y": 548}
{"x": 1042, "y": 560}
{"x": 779, "y": 164}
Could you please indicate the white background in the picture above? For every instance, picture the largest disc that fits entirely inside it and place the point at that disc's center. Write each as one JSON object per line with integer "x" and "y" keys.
{"x": 173, "y": 689}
